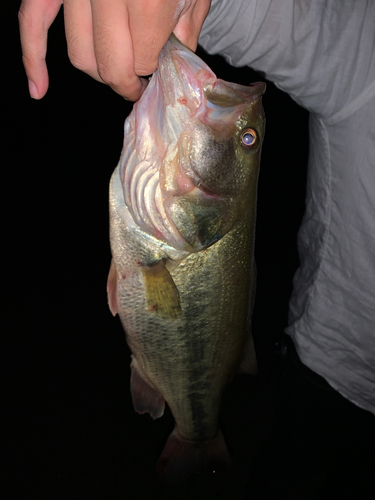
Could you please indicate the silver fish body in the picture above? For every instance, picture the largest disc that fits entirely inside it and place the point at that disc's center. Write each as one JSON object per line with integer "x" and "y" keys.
{"x": 182, "y": 222}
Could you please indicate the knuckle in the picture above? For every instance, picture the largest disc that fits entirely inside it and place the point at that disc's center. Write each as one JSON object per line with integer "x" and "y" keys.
{"x": 108, "y": 75}
{"x": 22, "y": 15}
{"x": 123, "y": 85}
{"x": 30, "y": 60}
{"x": 27, "y": 58}
{"x": 144, "y": 69}
{"x": 78, "y": 59}
{"x": 26, "y": 19}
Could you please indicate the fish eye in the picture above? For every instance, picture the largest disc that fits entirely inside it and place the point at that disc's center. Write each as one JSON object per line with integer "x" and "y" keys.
{"x": 249, "y": 139}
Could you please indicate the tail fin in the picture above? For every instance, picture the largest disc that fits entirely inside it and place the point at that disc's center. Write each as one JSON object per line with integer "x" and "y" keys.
{"x": 182, "y": 458}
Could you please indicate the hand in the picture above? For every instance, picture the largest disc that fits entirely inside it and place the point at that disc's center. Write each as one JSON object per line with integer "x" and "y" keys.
{"x": 114, "y": 41}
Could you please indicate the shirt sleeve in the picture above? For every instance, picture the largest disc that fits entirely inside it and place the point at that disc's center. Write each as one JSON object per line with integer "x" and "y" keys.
{"x": 321, "y": 52}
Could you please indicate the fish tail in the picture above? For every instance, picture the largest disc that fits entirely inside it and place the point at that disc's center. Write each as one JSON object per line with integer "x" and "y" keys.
{"x": 182, "y": 458}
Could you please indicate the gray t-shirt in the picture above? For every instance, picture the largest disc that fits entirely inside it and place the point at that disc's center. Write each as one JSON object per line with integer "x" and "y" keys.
{"x": 322, "y": 53}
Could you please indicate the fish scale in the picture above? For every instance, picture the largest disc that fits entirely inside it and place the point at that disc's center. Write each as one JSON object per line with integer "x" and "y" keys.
{"x": 184, "y": 286}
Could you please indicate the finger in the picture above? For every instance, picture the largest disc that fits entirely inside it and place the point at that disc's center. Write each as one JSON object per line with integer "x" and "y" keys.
{"x": 114, "y": 48}
{"x": 79, "y": 36}
{"x": 35, "y": 18}
{"x": 190, "y": 23}
{"x": 151, "y": 23}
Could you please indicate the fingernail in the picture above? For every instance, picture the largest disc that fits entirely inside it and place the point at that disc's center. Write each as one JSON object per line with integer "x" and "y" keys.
{"x": 33, "y": 90}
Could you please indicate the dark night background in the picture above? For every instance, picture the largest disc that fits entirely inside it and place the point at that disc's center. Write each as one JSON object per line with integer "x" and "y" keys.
{"x": 68, "y": 426}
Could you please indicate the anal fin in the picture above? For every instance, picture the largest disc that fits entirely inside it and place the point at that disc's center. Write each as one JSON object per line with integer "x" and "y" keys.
{"x": 145, "y": 398}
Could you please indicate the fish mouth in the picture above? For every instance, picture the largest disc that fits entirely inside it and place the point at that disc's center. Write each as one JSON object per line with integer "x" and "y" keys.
{"x": 188, "y": 181}
{"x": 200, "y": 184}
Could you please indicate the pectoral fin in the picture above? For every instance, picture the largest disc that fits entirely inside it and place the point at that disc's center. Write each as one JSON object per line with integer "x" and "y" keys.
{"x": 161, "y": 292}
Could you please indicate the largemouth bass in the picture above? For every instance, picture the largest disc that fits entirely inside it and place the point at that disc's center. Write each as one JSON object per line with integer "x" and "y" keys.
{"x": 182, "y": 221}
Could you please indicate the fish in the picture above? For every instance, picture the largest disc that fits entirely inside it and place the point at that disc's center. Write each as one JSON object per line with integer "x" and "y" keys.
{"x": 182, "y": 222}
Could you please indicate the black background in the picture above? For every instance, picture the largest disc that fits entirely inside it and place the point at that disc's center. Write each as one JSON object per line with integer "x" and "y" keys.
{"x": 68, "y": 424}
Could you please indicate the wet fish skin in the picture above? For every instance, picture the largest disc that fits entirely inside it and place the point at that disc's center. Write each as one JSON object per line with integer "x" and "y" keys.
{"x": 182, "y": 221}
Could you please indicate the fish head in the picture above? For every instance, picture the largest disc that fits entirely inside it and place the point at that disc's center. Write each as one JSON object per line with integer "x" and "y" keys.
{"x": 204, "y": 137}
